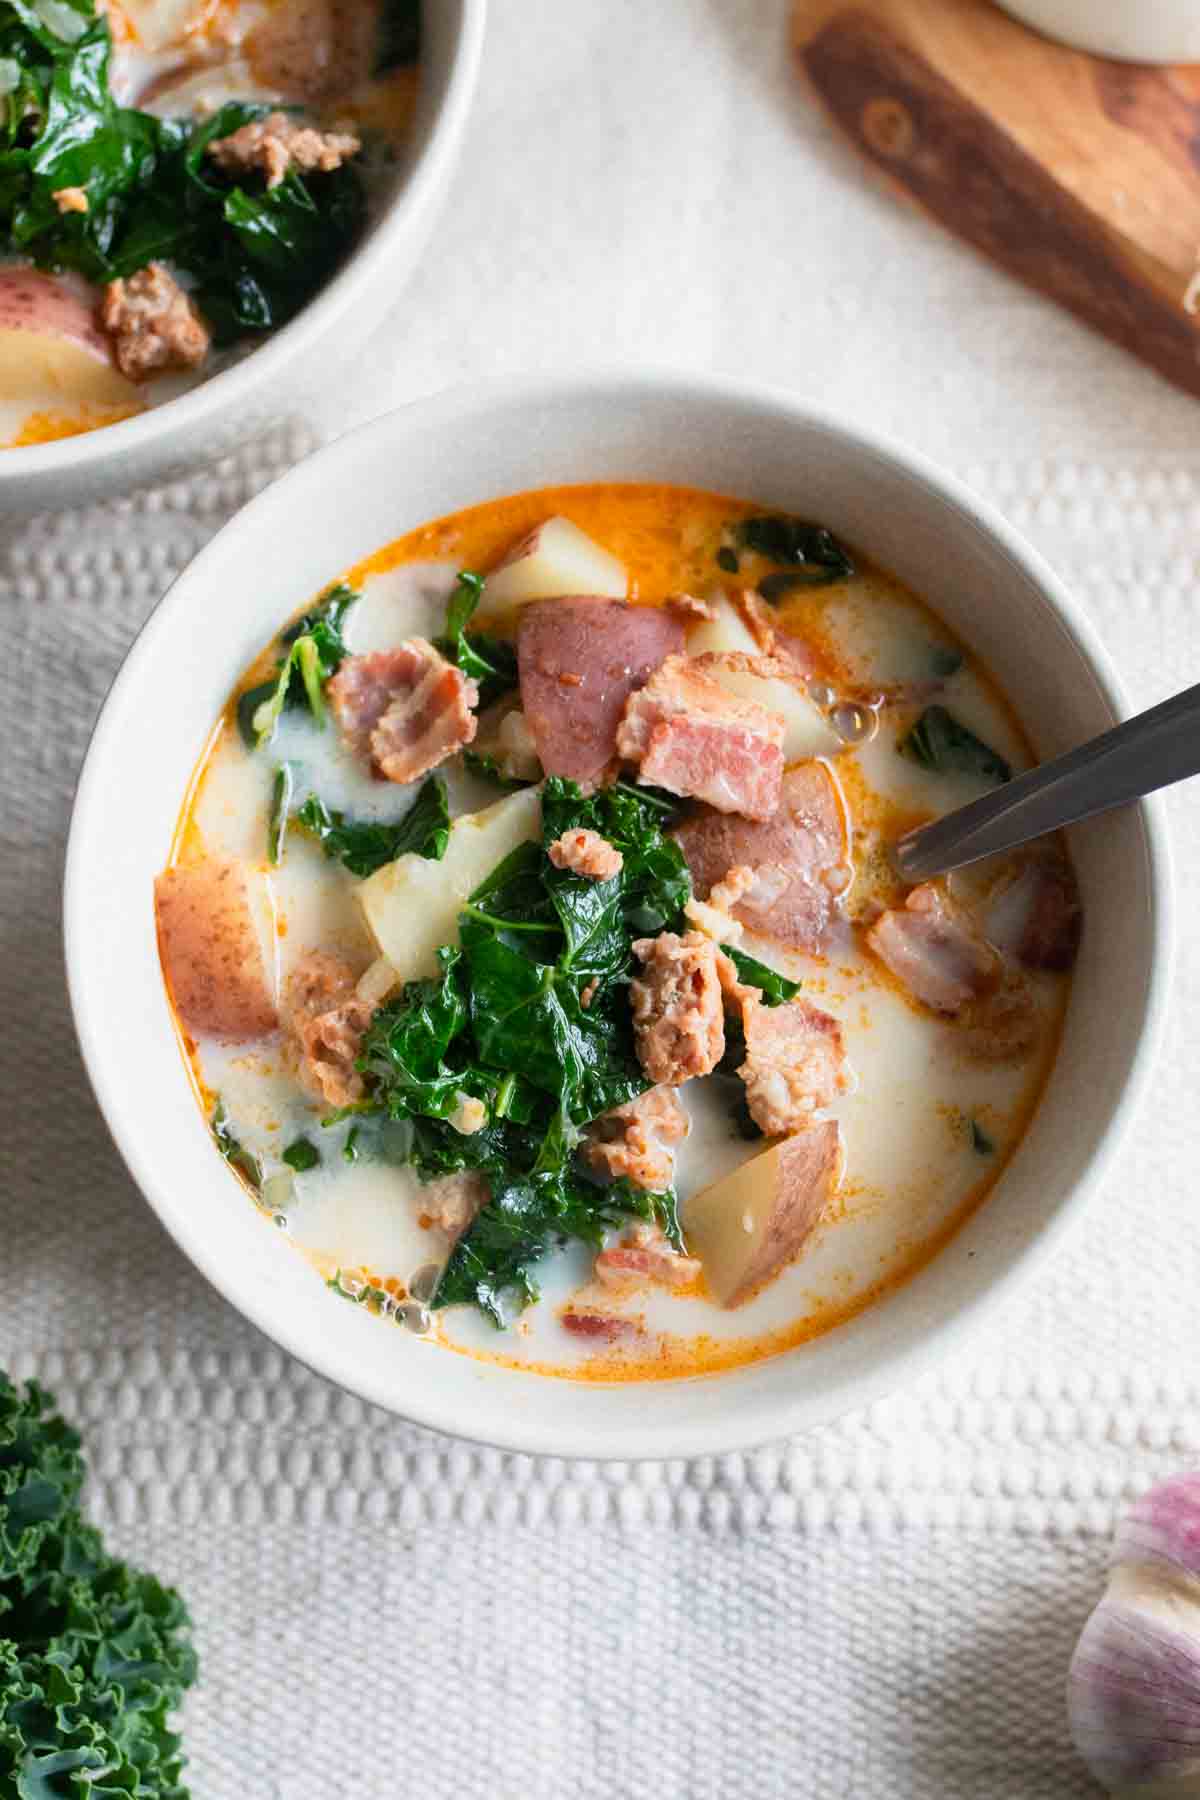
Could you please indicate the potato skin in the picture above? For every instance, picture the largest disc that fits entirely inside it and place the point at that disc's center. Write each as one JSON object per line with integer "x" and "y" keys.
{"x": 31, "y": 301}
{"x": 750, "y": 1225}
{"x": 211, "y": 953}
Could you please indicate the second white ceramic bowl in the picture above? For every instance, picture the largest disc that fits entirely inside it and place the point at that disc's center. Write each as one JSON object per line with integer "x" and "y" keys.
{"x": 303, "y": 359}
{"x": 431, "y": 459}
{"x": 1152, "y": 31}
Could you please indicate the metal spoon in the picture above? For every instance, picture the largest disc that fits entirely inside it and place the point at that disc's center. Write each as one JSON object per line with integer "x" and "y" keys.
{"x": 1147, "y": 752}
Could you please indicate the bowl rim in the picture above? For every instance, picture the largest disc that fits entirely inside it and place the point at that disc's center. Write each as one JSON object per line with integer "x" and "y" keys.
{"x": 232, "y": 388}
{"x": 790, "y": 1413}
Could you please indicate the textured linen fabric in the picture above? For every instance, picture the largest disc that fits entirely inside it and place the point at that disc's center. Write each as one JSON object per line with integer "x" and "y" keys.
{"x": 886, "y": 1607}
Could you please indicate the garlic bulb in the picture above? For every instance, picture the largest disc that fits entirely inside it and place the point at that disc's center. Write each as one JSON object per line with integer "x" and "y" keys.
{"x": 1133, "y": 1693}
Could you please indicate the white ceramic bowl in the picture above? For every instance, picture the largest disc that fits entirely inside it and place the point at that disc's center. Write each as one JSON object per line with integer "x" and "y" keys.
{"x": 303, "y": 358}
{"x": 1152, "y": 31}
{"x": 433, "y": 458}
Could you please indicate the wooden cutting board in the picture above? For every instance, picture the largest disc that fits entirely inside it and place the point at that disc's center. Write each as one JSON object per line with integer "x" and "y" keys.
{"x": 1079, "y": 176}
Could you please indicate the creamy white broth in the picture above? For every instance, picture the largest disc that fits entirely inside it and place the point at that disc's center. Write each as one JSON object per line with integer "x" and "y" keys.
{"x": 911, "y": 1168}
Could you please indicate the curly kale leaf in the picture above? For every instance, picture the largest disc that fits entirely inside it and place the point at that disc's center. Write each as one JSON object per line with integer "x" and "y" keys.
{"x": 808, "y": 555}
{"x": 775, "y": 988}
{"x": 315, "y": 649}
{"x": 490, "y": 661}
{"x": 363, "y": 846}
{"x": 94, "y": 1655}
{"x": 938, "y": 741}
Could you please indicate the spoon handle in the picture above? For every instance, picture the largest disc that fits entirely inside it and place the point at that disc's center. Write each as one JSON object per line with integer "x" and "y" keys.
{"x": 1147, "y": 752}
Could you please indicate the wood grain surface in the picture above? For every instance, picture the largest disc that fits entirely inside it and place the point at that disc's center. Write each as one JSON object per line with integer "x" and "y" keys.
{"x": 1079, "y": 176}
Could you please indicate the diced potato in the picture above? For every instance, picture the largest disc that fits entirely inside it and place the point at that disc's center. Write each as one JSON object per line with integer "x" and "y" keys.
{"x": 411, "y": 905}
{"x": 809, "y": 732}
{"x": 747, "y": 1226}
{"x": 728, "y": 631}
{"x": 53, "y": 358}
{"x": 557, "y": 558}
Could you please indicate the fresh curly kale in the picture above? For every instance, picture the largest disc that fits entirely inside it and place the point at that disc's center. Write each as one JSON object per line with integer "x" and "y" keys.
{"x": 94, "y": 1655}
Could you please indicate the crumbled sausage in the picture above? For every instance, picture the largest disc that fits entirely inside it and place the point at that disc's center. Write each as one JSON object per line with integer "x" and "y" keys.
{"x": 327, "y": 1021}
{"x": 635, "y": 1140}
{"x": 70, "y": 199}
{"x": 153, "y": 324}
{"x": 586, "y": 853}
{"x": 453, "y": 1202}
{"x": 678, "y": 1016}
{"x": 795, "y": 1063}
{"x": 279, "y": 143}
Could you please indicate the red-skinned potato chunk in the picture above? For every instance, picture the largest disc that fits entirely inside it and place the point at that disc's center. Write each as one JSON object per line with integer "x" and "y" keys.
{"x": 580, "y": 658}
{"x": 211, "y": 951}
{"x": 746, "y": 1227}
{"x": 53, "y": 356}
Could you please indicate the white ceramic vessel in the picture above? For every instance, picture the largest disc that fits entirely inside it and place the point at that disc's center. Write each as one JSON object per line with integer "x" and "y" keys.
{"x": 1152, "y": 31}
{"x": 302, "y": 359}
{"x": 433, "y": 458}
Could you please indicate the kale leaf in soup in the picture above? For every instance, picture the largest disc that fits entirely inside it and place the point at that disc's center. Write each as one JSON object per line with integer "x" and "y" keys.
{"x": 315, "y": 650}
{"x": 809, "y": 555}
{"x": 363, "y": 846}
{"x": 940, "y": 742}
{"x": 489, "y": 661}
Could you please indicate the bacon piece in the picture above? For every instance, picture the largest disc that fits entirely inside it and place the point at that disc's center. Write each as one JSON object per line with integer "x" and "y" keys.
{"x": 691, "y": 736}
{"x": 406, "y": 709}
{"x": 635, "y": 1140}
{"x": 656, "y": 1262}
{"x": 678, "y": 1015}
{"x": 932, "y": 948}
{"x": 586, "y": 853}
{"x": 454, "y": 1202}
{"x": 602, "y": 1328}
{"x": 1051, "y": 936}
{"x": 614, "y": 647}
{"x": 795, "y": 1062}
{"x": 211, "y": 952}
{"x": 798, "y": 858}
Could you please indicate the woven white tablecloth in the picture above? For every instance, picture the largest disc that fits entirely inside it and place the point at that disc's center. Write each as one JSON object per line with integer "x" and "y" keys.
{"x": 885, "y": 1608}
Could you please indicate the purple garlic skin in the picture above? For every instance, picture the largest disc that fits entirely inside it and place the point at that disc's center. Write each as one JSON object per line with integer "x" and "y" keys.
{"x": 1133, "y": 1692}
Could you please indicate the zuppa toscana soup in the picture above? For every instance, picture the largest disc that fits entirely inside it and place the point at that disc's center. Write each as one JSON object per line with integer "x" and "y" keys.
{"x": 534, "y": 941}
{"x": 181, "y": 176}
